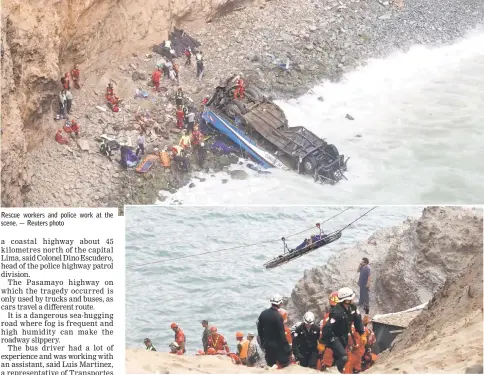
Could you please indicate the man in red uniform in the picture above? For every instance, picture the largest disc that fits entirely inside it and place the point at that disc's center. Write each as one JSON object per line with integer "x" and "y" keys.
{"x": 327, "y": 353}
{"x": 59, "y": 138}
{"x": 67, "y": 82}
{"x": 180, "y": 117}
{"x": 155, "y": 77}
{"x": 76, "y": 75}
{"x": 179, "y": 336}
{"x": 75, "y": 127}
{"x": 239, "y": 92}
{"x": 217, "y": 341}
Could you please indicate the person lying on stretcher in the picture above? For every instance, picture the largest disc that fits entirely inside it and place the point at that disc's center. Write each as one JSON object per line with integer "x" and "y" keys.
{"x": 309, "y": 241}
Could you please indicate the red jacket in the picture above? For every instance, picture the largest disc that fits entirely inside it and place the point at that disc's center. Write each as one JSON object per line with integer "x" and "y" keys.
{"x": 217, "y": 342}
{"x": 156, "y": 76}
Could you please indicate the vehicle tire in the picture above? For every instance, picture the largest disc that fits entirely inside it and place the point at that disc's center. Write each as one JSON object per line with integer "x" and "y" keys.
{"x": 232, "y": 110}
{"x": 309, "y": 165}
{"x": 332, "y": 151}
{"x": 241, "y": 106}
{"x": 254, "y": 93}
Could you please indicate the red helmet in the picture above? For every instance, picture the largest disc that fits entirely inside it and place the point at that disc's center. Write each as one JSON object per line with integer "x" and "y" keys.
{"x": 239, "y": 335}
{"x": 333, "y": 299}
{"x": 211, "y": 351}
{"x": 213, "y": 329}
{"x": 174, "y": 325}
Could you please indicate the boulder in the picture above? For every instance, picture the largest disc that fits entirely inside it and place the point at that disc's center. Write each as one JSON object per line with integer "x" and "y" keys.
{"x": 239, "y": 175}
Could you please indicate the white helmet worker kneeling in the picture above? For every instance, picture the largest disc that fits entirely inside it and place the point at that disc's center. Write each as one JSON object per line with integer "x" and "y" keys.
{"x": 338, "y": 327}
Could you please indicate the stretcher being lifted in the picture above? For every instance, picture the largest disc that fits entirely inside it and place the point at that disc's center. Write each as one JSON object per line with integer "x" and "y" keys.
{"x": 309, "y": 245}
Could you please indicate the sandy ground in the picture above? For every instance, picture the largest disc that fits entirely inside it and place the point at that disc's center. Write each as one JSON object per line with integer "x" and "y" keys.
{"x": 139, "y": 361}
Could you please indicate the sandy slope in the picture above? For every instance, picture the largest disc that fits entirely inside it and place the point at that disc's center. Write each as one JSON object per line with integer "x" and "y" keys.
{"x": 140, "y": 361}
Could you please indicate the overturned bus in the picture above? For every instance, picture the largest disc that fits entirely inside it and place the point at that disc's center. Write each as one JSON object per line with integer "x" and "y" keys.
{"x": 259, "y": 127}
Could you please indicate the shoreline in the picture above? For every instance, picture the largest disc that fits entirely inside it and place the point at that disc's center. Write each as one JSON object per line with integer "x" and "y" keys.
{"x": 323, "y": 40}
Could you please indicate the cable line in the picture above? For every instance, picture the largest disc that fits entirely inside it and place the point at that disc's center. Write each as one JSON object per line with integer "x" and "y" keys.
{"x": 237, "y": 247}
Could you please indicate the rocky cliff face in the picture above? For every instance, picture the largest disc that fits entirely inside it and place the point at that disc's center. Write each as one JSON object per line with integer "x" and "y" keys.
{"x": 409, "y": 262}
{"x": 43, "y": 38}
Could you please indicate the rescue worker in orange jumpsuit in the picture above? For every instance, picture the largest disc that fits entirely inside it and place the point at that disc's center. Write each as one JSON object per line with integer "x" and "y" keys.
{"x": 67, "y": 82}
{"x": 75, "y": 127}
{"x": 59, "y": 138}
{"x": 112, "y": 99}
{"x": 287, "y": 330}
{"x": 179, "y": 336}
{"x": 180, "y": 117}
{"x": 242, "y": 347}
{"x": 155, "y": 77}
{"x": 217, "y": 341}
{"x": 76, "y": 76}
{"x": 368, "y": 358}
{"x": 239, "y": 92}
{"x": 355, "y": 351}
{"x": 326, "y": 355}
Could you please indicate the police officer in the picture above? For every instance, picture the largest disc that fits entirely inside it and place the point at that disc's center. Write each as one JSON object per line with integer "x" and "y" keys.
{"x": 305, "y": 342}
{"x": 272, "y": 336}
{"x": 337, "y": 329}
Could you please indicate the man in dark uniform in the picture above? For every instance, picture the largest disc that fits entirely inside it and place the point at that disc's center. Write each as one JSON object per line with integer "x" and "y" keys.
{"x": 305, "y": 342}
{"x": 272, "y": 335}
{"x": 337, "y": 329}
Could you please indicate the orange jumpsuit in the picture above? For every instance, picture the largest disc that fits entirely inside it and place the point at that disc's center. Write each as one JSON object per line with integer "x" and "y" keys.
{"x": 355, "y": 350}
{"x": 156, "y": 79}
{"x": 75, "y": 74}
{"x": 180, "y": 338}
{"x": 328, "y": 353}
{"x": 218, "y": 342}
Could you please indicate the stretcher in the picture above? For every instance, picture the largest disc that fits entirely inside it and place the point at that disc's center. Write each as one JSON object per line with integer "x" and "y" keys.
{"x": 146, "y": 164}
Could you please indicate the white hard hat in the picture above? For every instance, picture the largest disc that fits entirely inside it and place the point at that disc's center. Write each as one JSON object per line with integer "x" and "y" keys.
{"x": 202, "y": 144}
{"x": 276, "y": 299}
{"x": 346, "y": 294}
{"x": 308, "y": 318}
{"x": 174, "y": 344}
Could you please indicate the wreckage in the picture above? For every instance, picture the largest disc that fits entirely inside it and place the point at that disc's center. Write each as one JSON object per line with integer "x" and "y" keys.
{"x": 260, "y": 128}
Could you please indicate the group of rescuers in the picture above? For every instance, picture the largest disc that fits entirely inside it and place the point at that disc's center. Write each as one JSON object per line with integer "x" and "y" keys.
{"x": 342, "y": 339}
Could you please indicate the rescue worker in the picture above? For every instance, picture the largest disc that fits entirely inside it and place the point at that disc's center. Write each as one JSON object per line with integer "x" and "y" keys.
{"x": 185, "y": 141}
{"x": 270, "y": 327}
{"x": 287, "y": 330}
{"x": 75, "y": 127}
{"x": 180, "y": 117}
{"x": 141, "y": 143}
{"x": 327, "y": 354}
{"x": 200, "y": 67}
{"x": 355, "y": 351}
{"x": 239, "y": 92}
{"x": 179, "y": 97}
{"x": 305, "y": 342}
{"x": 369, "y": 357}
{"x": 337, "y": 329}
{"x": 252, "y": 353}
{"x": 242, "y": 347}
{"x": 217, "y": 341}
{"x": 63, "y": 104}
{"x": 175, "y": 348}
{"x": 188, "y": 54}
{"x": 59, "y": 138}
{"x": 76, "y": 76}
{"x": 67, "y": 82}
{"x": 155, "y": 77}
{"x": 190, "y": 120}
{"x": 197, "y": 135}
{"x": 149, "y": 345}
{"x": 68, "y": 101}
{"x": 179, "y": 337}
{"x": 205, "y": 334}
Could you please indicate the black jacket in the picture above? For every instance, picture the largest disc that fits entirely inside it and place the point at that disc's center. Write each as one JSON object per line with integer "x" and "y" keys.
{"x": 339, "y": 324}
{"x": 270, "y": 328}
{"x": 305, "y": 341}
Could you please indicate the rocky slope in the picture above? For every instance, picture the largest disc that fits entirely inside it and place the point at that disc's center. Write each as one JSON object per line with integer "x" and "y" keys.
{"x": 447, "y": 336}
{"x": 409, "y": 262}
{"x": 41, "y": 39}
{"x": 322, "y": 39}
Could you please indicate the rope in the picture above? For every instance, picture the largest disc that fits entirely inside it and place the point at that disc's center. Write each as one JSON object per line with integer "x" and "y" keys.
{"x": 354, "y": 221}
{"x": 234, "y": 247}
{"x": 332, "y": 217}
